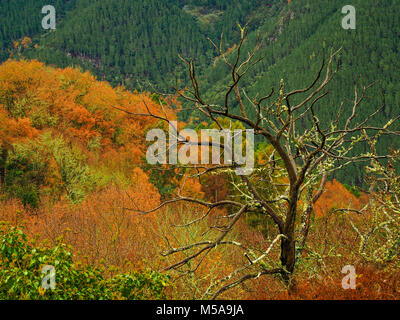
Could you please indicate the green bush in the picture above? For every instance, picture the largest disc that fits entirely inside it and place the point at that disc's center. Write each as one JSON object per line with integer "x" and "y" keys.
{"x": 21, "y": 274}
{"x": 47, "y": 165}
{"x": 25, "y": 171}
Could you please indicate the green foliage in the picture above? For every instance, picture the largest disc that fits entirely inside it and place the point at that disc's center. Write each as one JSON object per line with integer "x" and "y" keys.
{"x": 23, "y": 18}
{"x": 354, "y": 190}
{"x": 294, "y": 37}
{"x": 394, "y": 249}
{"x": 165, "y": 180}
{"x": 75, "y": 173}
{"x": 158, "y": 99}
{"x": 261, "y": 223}
{"x": 47, "y": 162}
{"x": 42, "y": 118}
{"x": 21, "y": 278}
{"x": 140, "y": 285}
{"x": 25, "y": 172}
{"x": 28, "y": 194}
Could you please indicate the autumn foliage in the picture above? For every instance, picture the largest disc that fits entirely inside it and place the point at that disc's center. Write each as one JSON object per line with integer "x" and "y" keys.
{"x": 336, "y": 196}
{"x": 72, "y": 167}
{"x": 66, "y": 104}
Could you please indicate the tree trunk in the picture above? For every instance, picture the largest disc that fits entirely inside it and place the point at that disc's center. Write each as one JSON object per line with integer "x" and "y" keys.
{"x": 288, "y": 244}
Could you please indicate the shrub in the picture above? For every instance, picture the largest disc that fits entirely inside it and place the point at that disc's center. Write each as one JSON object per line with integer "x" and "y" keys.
{"x": 21, "y": 278}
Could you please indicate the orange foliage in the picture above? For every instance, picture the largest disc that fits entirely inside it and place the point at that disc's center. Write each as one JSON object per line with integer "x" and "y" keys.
{"x": 371, "y": 284}
{"x": 26, "y": 41}
{"x": 101, "y": 229}
{"x": 335, "y": 196}
{"x": 84, "y": 108}
{"x": 192, "y": 188}
{"x": 144, "y": 195}
{"x": 87, "y": 113}
{"x": 13, "y": 130}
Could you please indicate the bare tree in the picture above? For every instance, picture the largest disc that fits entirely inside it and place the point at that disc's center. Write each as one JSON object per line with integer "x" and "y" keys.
{"x": 302, "y": 159}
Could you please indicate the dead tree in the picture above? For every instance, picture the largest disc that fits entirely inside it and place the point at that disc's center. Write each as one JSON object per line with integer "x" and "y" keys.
{"x": 303, "y": 156}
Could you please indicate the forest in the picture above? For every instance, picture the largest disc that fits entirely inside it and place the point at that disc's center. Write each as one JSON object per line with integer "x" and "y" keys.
{"x": 146, "y": 56}
{"x": 77, "y": 192}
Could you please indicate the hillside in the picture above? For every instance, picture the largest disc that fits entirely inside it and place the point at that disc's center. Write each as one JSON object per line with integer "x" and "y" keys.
{"x": 293, "y": 42}
{"x": 138, "y": 43}
{"x": 73, "y": 179}
{"x": 62, "y": 138}
{"x": 129, "y": 42}
{"x": 23, "y": 18}
{"x": 85, "y": 214}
